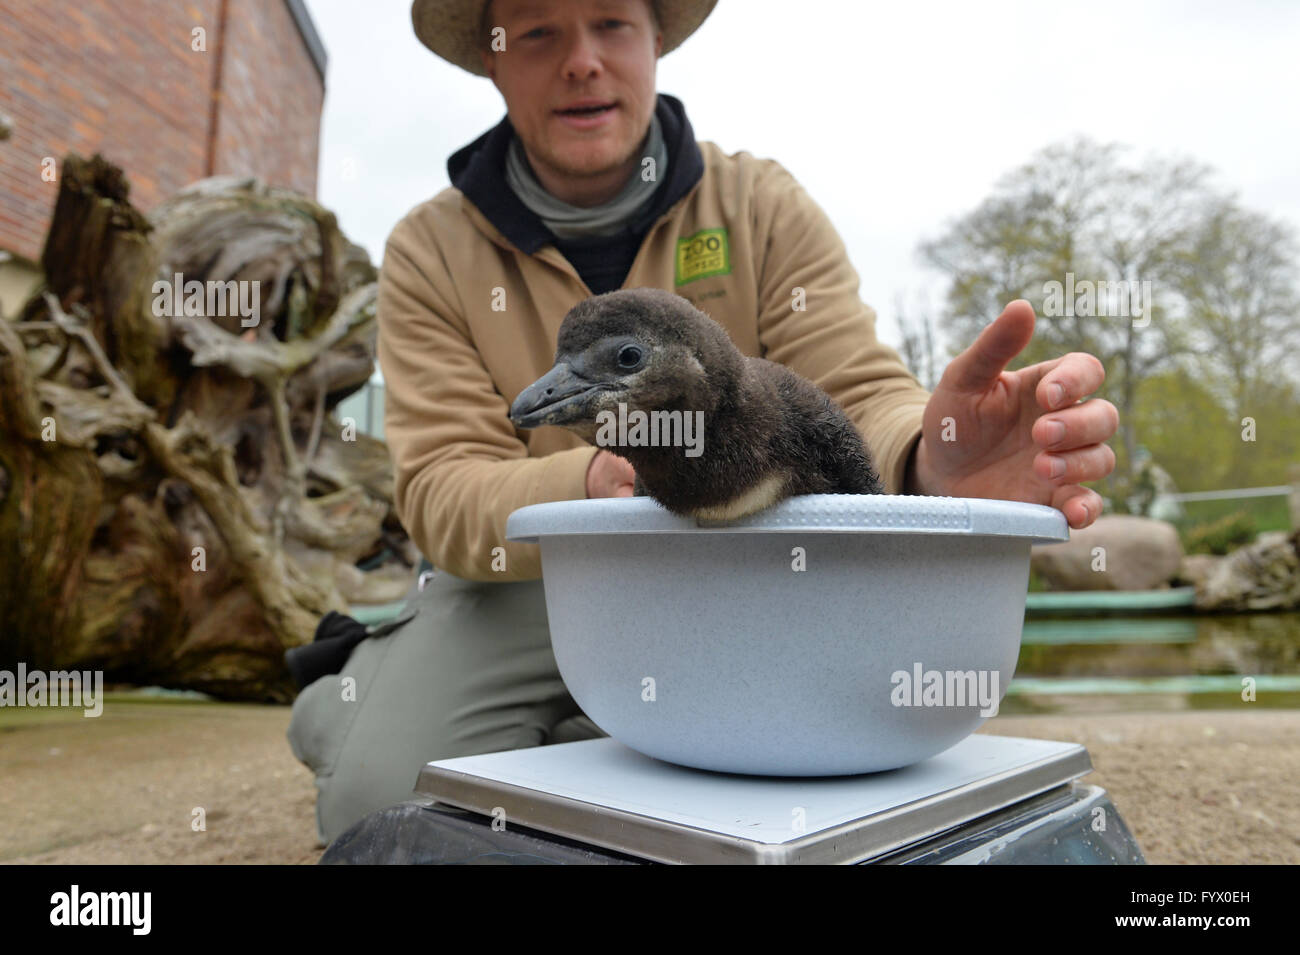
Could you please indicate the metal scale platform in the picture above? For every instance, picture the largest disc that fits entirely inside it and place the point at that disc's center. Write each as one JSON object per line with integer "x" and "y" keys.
{"x": 989, "y": 799}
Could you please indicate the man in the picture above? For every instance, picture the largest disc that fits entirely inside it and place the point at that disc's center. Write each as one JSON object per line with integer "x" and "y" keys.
{"x": 592, "y": 183}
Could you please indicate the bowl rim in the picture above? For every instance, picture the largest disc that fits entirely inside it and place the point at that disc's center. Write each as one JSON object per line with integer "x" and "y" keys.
{"x": 807, "y": 513}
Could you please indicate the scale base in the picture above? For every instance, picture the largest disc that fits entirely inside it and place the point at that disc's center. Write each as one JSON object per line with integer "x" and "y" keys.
{"x": 988, "y": 800}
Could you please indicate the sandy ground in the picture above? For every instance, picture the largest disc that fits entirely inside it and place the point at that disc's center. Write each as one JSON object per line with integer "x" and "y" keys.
{"x": 123, "y": 788}
{"x": 1209, "y": 786}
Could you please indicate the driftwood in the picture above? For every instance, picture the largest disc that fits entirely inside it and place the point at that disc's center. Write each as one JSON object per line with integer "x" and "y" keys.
{"x": 178, "y": 504}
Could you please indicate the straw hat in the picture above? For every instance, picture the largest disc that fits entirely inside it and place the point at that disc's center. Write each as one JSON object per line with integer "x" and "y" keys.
{"x": 450, "y": 28}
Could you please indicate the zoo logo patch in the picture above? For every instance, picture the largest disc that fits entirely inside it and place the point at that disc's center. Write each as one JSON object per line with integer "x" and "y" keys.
{"x": 705, "y": 253}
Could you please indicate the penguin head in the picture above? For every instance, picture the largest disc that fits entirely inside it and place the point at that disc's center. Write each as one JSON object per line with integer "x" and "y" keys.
{"x": 644, "y": 348}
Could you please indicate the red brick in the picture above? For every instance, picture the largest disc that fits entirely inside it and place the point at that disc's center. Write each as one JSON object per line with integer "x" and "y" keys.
{"x": 121, "y": 78}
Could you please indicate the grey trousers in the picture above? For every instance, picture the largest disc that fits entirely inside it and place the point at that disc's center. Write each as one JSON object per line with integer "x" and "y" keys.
{"x": 472, "y": 672}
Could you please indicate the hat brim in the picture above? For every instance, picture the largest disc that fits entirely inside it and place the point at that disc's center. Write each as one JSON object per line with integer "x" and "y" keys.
{"x": 450, "y": 28}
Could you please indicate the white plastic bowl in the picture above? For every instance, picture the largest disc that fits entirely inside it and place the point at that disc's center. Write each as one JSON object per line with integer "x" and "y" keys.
{"x": 703, "y": 646}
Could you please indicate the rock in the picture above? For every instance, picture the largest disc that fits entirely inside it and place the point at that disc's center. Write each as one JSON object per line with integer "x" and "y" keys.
{"x": 1196, "y": 569}
{"x": 1136, "y": 553}
{"x": 1264, "y": 575}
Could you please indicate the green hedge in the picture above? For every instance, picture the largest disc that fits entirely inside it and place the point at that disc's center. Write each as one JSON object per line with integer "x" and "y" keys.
{"x": 1262, "y": 513}
{"x": 1221, "y": 536}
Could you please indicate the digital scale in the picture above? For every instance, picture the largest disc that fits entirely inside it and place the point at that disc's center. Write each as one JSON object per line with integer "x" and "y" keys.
{"x": 988, "y": 799}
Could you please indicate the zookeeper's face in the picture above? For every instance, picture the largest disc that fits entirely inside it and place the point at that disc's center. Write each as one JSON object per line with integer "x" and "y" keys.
{"x": 578, "y": 78}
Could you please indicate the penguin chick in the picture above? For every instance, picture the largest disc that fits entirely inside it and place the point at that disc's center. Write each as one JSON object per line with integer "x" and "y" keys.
{"x": 767, "y": 434}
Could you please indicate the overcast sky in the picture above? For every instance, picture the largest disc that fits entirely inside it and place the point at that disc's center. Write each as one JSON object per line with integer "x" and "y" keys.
{"x": 896, "y": 117}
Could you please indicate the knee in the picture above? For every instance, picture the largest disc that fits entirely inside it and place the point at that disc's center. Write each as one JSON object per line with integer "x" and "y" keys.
{"x": 317, "y": 724}
{"x": 345, "y": 798}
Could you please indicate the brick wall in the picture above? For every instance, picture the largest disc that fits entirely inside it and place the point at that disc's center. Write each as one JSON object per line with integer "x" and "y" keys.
{"x": 271, "y": 98}
{"x": 122, "y": 79}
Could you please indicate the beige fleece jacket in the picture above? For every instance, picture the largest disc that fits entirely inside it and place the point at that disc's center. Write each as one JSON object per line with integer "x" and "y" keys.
{"x": 467, "y": 321}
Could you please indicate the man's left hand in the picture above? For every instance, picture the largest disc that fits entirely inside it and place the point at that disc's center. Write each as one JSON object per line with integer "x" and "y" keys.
{"x": 1017, "y": 435}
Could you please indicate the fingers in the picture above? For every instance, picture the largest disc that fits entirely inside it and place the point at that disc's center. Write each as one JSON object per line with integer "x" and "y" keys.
{"x": 1080, "y": 505}
{"x": 608, "y": 475}
{"x": 1002, "y": 340}
{"x": 619, "y": 465}
{"x": 1076, "y": 467}
{"x": 1074, "y": 377}
{"x": 1074, "y": 435}
{"x": 1077, "y": 426}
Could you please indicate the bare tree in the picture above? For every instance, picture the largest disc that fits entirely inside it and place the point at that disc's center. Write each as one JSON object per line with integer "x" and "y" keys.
{"x": 1239, "y": 281}
{"x": 1075, "y": 219}
{"x": 918, "y": 342}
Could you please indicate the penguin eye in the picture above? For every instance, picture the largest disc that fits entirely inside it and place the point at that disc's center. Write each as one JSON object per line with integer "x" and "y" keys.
{"x": 629, "y": 356}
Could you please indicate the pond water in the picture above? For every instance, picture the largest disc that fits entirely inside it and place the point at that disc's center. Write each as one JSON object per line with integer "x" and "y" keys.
{"x": 1156, "y": 662}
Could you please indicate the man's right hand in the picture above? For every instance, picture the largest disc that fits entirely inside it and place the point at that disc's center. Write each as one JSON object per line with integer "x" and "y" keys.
{"x": 608, "y": 475}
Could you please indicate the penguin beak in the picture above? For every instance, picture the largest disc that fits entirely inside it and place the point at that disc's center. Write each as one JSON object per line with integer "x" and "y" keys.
{"x": 560, "y": 397}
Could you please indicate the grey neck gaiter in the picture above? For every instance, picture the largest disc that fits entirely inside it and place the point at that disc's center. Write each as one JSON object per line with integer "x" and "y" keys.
{"x": 569, "y": 222}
